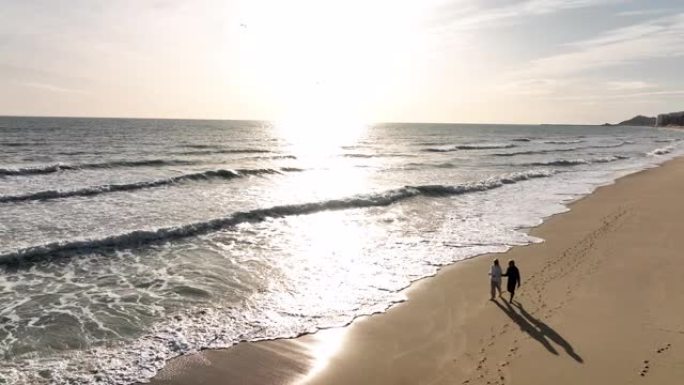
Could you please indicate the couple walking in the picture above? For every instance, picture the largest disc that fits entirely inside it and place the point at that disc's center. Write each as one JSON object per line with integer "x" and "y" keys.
{"x": 513, "y": 278}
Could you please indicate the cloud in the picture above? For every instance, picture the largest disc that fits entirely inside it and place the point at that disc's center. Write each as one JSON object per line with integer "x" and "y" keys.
{"x": 533, "y": 87}
{"x": 640, "y": 96}
{"x": 460, "y": 16}
{"x": 587, "y": 89}
{"x": 629, "y": 85}
{"x": 579, "y": 74}
{"x": 662, "y": 37}
{"x": 51, "y": 88}
{"x": 644, "y": 12}
{"x": 662, "y": 93}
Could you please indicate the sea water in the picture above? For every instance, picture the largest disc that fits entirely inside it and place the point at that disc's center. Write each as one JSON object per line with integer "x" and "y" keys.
{"x": 124, "y": 243}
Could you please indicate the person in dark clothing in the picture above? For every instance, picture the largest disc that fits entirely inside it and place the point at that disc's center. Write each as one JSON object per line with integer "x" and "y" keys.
{"x": 513, "y": 279}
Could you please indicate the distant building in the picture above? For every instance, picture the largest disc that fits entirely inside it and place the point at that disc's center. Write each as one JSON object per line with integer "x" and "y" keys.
{"x": 671, "y": 119}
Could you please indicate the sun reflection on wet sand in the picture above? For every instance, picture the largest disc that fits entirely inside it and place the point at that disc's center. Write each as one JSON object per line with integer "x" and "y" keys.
{"x": 322, "y": 347}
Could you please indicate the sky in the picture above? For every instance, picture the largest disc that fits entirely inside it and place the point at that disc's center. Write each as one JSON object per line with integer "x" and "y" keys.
{"x": 468, "y": 61}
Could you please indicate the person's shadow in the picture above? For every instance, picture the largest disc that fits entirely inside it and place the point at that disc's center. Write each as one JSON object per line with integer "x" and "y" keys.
{"x": 537, "y": 329}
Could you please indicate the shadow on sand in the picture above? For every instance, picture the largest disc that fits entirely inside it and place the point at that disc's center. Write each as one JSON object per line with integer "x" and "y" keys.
{"x": 537, "y": 329}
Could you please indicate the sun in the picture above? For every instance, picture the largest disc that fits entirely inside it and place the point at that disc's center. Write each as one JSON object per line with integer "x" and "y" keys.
{"x": 322, "y": 63}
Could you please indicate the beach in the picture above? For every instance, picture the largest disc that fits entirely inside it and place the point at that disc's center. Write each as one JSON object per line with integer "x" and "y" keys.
{"x": 252, "y": 192}
{"x": 600, "y": 302}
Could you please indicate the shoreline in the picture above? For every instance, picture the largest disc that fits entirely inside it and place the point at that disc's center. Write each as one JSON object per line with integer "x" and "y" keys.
{"x": 445, "y": 331}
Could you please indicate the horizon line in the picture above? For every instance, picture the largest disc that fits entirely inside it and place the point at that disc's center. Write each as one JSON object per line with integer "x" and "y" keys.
{"x": 275, "y": 120}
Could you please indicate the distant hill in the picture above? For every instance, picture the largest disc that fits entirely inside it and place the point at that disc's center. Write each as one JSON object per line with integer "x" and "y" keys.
{"x": 639, "y": 120}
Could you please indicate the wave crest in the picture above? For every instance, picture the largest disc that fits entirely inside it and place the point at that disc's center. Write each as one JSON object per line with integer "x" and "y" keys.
{"x": 143, "y": 237}
{"x": 536, "y": 152}
{"x": 660, "y": 151}
{"x": 576, "y": 162}
{"x": 475, "y": 146}
{"x": 567, "y": 149}
{"x": 52, "y": 168}
{"x": 96, "y": 190}
{"x": 568, "y": 141}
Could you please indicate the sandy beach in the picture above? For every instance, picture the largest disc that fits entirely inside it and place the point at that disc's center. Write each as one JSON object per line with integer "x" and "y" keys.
{"x": 600, "y": 303}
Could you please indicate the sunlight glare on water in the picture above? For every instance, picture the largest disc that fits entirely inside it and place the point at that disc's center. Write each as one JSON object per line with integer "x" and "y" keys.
{"x": 319, "y": 144}
{"x": 316, "y": 139}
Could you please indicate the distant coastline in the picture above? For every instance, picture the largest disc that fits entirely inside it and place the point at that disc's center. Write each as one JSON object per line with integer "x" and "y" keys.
{"x": 671, "y": 119}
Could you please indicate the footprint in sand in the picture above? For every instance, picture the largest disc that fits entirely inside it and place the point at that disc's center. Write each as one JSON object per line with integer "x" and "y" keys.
{"x": 647, "y": 363}
{"x": 663, "y": 349}
{"x": 645, "y": 369}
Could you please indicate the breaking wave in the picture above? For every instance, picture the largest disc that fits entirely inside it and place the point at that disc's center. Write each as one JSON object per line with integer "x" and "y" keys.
{"x": 21, "y": 144}
{"x": 207, "y": 150}
{"x": 567, "y": 149}
{"x": 34, "y": 170}
{"x": 660, "y": 151}
{"x": 570, "y": 141}
{"x": 274, "y": 157}
{"x": 96, "y": 190}
{"x": 386, "y": 155}
{"x": 483, "y": 146}
{"x": 359, "y": 155}
{"x": 420, "y": 165}
{"x": 536, "y": 152}
{"x": 576, "y": 162}
{"x": 144, "y": 237}
{"x": 612, "y": 145}
{"x": 51, "y": 168}
{"x": 200, "y": 146}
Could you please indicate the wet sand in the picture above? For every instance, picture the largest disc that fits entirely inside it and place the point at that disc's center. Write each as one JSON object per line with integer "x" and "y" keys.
{"x": 602, "y": 301}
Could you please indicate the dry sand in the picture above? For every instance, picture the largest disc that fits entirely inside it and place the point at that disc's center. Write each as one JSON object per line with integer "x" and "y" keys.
{"x": 602, "y": 302}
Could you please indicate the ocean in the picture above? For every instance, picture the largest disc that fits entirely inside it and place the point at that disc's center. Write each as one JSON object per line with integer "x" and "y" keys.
{"x": 126, "y": 242}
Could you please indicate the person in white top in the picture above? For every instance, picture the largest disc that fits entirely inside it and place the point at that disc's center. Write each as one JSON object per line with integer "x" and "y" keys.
{"x": 495, "y": 277}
